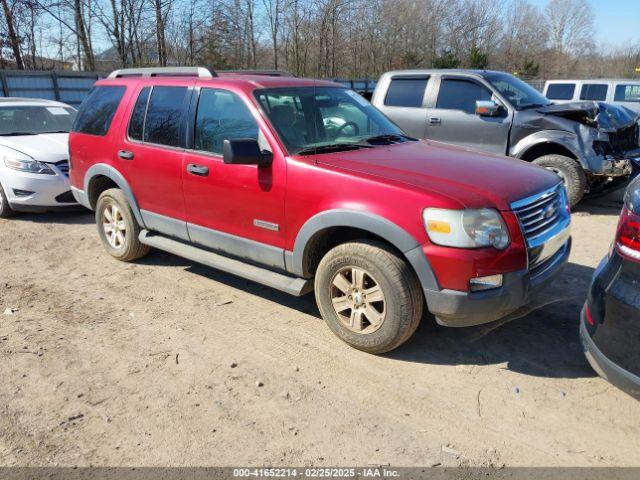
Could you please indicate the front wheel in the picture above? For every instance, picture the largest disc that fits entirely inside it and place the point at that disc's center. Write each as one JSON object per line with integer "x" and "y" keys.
{"x": 569, "y": 171}
{"x": 368, "y": 296}
{"x": 5, "y": 208}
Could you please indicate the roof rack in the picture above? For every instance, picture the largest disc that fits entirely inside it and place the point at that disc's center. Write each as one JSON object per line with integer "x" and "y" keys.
{"x": 200, "y": 72}
{"x": 266, "y": 73}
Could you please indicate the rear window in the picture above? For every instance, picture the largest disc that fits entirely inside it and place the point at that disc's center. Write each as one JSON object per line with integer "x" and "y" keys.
{"x": 164, "y": 119}
{"x": 406, "y": 92}
{"x": 592, "y": 91}
{"x": 561, "y": 91}
{"x": 627, "y": 93}
{"x": 98, "y": 109}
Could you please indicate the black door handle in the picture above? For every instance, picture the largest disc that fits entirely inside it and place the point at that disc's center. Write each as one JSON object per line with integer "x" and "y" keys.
{"x": 125, "y": 155}
{"x": 200, "y": 170}
{"x": 434, "y": 121}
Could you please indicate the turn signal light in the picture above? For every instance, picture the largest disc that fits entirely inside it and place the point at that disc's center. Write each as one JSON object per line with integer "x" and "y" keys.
{"x": 627, "y": 241}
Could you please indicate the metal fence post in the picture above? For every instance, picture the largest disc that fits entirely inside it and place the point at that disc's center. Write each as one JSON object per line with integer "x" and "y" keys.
{"x": 56, "y": 88}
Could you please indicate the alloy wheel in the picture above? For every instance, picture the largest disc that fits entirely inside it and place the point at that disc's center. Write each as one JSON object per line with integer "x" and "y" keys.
{"x": 358, "y": 300}
{"x": 114, "y": 226}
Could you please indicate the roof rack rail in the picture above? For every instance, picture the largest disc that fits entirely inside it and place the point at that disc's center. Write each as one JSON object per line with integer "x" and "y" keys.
{"x": 200, "y": 72}
{"x": 266, "y": 73}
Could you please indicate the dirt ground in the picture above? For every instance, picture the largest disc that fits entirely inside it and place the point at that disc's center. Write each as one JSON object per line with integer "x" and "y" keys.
{"x": 164, "y": 362}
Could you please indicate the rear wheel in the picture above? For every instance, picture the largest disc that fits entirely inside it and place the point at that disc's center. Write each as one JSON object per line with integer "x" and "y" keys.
{"x": 569, "y": 171}
{"x": 368, "y": 295}
{"x": 117, "y": 227}
{"x": 5, "y": 208}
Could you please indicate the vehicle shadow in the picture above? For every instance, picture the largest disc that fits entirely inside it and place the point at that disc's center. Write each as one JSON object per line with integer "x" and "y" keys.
{"x": 81, "y": 216}
{"x": 609, "y": 204}
{"x": 541, "y": 339}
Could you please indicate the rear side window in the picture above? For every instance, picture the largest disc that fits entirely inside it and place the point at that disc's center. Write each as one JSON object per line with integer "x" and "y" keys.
{"x": 406, "y": 92}
{"x": 561, "y": 91}
{"x": 461, "y": 95}
{"x": 221, "y": 115}
{"x": 592, "y": 91}
{"x": 98, "y": 109}
{"x": 165, "y": 112}
{"x": 627, "y": 93}
{"x": 136, "y": 125}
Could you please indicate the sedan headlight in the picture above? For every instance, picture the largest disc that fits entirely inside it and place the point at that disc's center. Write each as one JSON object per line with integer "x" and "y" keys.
{"x": 28, "y": 165}
{"x": 466, "y": 228}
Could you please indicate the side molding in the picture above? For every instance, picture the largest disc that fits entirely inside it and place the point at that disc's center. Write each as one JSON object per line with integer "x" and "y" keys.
{"x": 116, "y": 176}
{"x": 369, "y": 222}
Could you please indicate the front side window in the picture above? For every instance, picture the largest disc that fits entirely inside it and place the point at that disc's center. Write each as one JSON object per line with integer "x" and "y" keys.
{"x": 591, "y": 91}
{"x": 406, "y": 92}
{"x": 561, "y": 91}
{"x": 165, "y": 112}
{"x": 461, "y": 95}
{"x": 313, "y": 119}
{"x": 221, "y": 115}
{"x": 627, "y": 93}
{"x": 98, "y": 109}
{"x": 35, "y": 119}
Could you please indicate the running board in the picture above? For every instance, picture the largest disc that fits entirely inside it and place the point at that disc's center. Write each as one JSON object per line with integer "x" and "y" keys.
{"x": 285, "y": 283}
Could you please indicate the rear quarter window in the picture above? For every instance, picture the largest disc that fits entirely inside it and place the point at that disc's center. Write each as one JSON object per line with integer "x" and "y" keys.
{"x": 97, "y": 110}
{"x": 561, "y": 91}
{"x": 406, "y": 92}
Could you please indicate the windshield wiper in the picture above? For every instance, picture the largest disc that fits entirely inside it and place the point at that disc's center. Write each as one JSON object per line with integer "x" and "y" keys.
{"x": 15, "y": 134}
{"x": 389, "y": 137}
{"x": 333, "y": 147}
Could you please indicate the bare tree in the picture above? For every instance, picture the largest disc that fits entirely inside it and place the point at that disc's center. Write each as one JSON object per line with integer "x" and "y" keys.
{"x": 14, "y": 39}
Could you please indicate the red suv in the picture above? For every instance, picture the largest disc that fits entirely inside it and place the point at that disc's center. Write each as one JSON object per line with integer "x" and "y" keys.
{"x": 302, "y": 185}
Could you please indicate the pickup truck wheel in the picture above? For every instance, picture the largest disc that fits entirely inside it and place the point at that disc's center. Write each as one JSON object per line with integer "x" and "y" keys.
{"x": 368, "y": 295}
{"x": 5, "y": 208}
{"x": 117, "y": 227}
{"x": 569, "y": 171}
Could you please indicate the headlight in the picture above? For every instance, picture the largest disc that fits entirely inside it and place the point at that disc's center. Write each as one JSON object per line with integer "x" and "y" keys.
{"x": 28, "y": 165}
{"x": 466, "y": 228}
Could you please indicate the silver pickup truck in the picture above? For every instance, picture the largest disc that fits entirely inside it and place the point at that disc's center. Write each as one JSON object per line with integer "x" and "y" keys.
{"x": 594, "y": 147}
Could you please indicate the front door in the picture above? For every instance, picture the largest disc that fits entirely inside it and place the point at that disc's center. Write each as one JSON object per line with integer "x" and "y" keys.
{"x": 453, "y": 119}
{"x": 236, "y": 209}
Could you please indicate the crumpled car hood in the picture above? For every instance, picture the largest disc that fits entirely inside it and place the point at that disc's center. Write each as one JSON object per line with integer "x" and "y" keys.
{"x": 604, "y": 116}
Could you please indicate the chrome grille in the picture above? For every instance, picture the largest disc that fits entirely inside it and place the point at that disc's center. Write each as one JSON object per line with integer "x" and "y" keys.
{"x": 63, "y": 166}
{"x": 541, "y": 214}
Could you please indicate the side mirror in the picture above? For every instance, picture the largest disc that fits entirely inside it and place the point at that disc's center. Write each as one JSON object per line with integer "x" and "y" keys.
{"x": 245, "y": 151}
{"x": 487, "y": 108}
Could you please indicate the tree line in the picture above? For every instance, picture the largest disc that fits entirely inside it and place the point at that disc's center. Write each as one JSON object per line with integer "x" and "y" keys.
{"x": 318, "y": 38}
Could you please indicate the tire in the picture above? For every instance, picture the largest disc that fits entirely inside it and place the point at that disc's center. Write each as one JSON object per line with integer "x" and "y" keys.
{"x": 400, "y": 311}
{"x": 571, "y": 173}
{"x": 124, "y": 244}
{"x": 5, "y": 208}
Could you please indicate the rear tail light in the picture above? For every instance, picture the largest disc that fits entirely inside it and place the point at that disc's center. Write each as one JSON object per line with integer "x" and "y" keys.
{"x": 627, "y": 241}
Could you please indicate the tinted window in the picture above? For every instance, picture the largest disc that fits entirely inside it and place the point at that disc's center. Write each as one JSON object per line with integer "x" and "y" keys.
{"x": 627, "y": 93}
{"x": 137, "y": 116}
{"x": 561, "y": 91}
{"x": 222, "y": 115}
{"x": 592, "y": 91}
{"x": 406, "y": 92}
{"x": 98, "y": 109}
{"x": 461, "y": 95}
{"x": 163, "y": 123}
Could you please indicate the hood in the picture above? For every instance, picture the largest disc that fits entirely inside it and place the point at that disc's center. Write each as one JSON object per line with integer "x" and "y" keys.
{"x": 45, "y": 147}
{"x": 474, "y": 179}
{"x": 603, "y": 116}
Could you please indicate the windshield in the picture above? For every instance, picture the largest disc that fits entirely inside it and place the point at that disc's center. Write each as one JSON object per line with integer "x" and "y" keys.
{"x": 520, "y": 94}
{"x": 326, "y": 119}
{"x": 35, "y": 119}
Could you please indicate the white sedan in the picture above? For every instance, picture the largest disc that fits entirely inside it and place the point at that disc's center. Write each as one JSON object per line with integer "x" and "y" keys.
{"x": 34, "y": 155}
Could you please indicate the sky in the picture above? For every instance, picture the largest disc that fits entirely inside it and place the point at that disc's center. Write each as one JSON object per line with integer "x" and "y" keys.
{"x": 617, "y": 21}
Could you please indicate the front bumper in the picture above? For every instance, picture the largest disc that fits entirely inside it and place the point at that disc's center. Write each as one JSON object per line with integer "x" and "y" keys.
{"x": 604, "y": 367}
{"x": 35, "y": 192}
{"x": 454, "y": 308}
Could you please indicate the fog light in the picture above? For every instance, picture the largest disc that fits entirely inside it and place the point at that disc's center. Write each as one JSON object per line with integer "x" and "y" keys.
{"x": 485, "y": 283}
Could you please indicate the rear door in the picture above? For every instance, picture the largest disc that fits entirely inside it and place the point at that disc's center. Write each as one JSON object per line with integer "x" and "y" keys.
{"x": 404, "y": 103}
{"x": 150, "y": 154}
{"x": 452, "y": 117}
